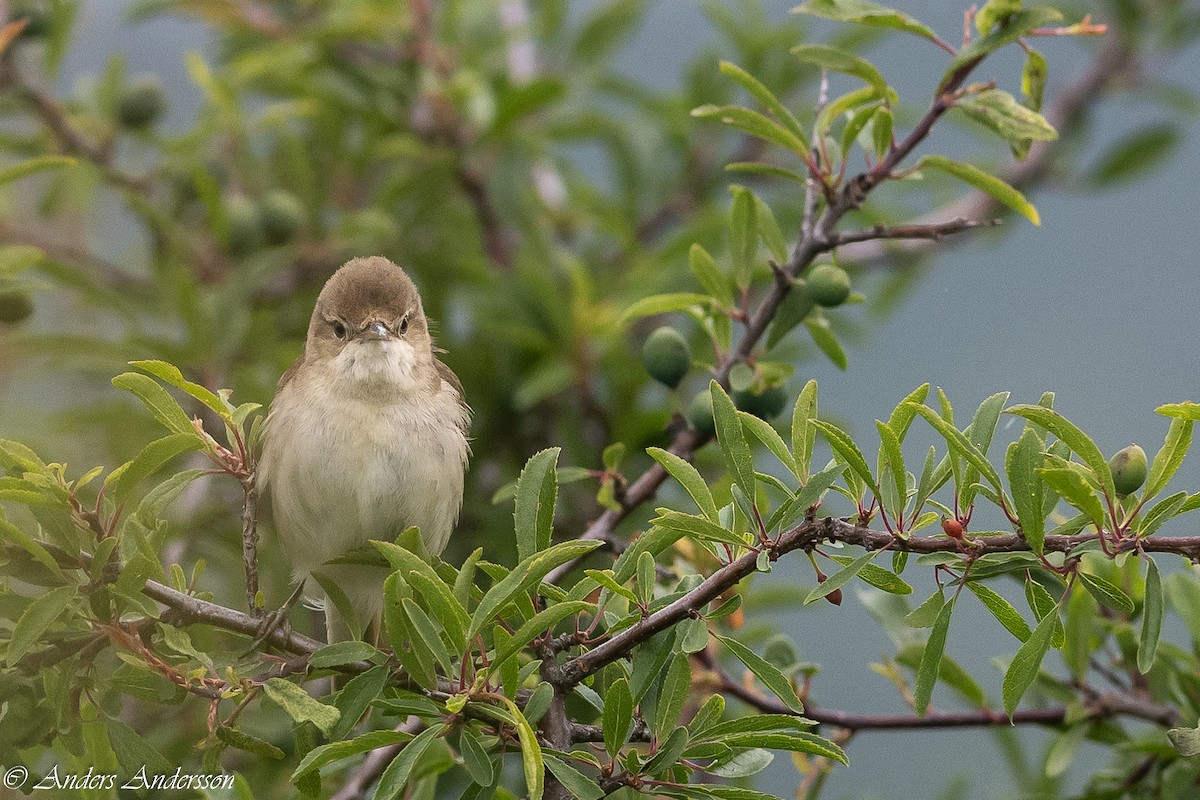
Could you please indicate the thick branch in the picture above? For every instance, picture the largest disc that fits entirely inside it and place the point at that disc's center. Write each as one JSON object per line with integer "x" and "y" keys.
{"x": 813, "y": 240}
{"x": 809, "y": 534}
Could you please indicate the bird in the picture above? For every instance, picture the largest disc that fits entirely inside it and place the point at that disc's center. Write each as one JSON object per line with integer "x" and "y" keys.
{"x": 366, "y": 436}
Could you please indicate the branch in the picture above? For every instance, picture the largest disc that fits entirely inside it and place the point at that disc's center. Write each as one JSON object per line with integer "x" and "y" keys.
{"x": 1099, "y": 706}
{"x": 813, "y": 240}
{"x": 932, "y": 232}
{"x": 1114, "y": 60}
{"x": 808, "y": 535}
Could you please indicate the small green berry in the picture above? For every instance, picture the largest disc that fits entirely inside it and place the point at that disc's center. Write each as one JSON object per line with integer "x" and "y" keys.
{"x": 15, "y": 306}
{"x": 142, "y": 102}
{"x": 700, "y": 414}
{"x": 1128, "y": 469}
{"x": 666, "y": 356}
{"x": 244, "y": 225}
{"x": 766, "y": 403}
{"x": 282, "y": 216}
{"x": 828, "y": 285}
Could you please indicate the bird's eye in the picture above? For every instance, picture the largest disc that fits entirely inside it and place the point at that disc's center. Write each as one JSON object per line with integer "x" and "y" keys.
{"x": 339, "y": 330}
{"x": 404, "y": 325}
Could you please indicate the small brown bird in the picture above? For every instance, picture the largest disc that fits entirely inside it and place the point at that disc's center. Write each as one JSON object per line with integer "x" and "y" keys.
{"x": 366, "y": 436}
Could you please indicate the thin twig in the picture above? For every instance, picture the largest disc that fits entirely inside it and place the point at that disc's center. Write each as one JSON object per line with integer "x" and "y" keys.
{"x": 932, "y": 232}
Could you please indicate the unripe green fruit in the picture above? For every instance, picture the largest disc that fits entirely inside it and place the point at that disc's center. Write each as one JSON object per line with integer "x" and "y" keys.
{"x": 15, "y": 306}
{"x": 282, "y": 216}
{"x": 827, "y": 285}
{"x": 667, "y": 356}
{"x": 700, "y": 414}
{"x": 142, "y": 102}
{"x": 1128, "y": 469}
{"x": 765, "y": 404}
{"x": 244, "y": 225}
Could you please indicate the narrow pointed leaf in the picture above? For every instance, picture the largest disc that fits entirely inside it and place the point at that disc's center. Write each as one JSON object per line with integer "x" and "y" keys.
{"x": 1025, "y": 664}
{"x": 1152, "y": 618}
{"x": 931, "y": 659}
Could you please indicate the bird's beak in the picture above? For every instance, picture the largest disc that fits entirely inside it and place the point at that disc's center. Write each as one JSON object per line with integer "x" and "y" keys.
{"x": 375, "y": 331}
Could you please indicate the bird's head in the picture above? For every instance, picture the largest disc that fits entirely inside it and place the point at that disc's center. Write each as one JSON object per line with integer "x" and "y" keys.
{"x": 369, "y": 328}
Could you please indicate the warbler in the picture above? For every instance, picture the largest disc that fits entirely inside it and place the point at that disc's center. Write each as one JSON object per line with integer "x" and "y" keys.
{"x": 366, "y": 436}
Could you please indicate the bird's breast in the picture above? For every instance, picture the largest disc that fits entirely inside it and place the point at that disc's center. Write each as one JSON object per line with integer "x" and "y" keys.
{"x": 340, "y": 470}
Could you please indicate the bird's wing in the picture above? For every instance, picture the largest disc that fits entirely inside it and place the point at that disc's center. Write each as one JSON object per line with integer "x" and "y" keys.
{"x": 447, "y": 375}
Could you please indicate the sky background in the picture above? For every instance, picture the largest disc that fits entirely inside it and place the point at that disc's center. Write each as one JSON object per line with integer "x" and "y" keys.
{"x": 1098, "y": 304}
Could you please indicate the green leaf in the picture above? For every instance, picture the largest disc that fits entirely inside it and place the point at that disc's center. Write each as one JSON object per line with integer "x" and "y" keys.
{"x": 356, "y": 696}
{"x": 796, "y": 306}
{"x": 522, "y": 577}
{"x": 993, "y": 13}
{"x": 999, "y": 111}
{"x": 1022, "y": 464}
{"x": 743, "y": 235}
{"x": 542, "y": 621}
{"x": 877, "y": 576}
{"x": 336, "y": 751}
{"x": 235, "y": 737}
{"x": 845, "y": 449}
{"x": 1106, "y": 593}
{"x": 134, "y": 753}
{"x": 32, "y": 165}
{"x": 1169, "y": 457}
{"x": 1160, "y": 512}
{"x": 1013, "y": 28}
{"x": 537, "y": 492}
{"x": 865, "y": 13}
{"x": 676, "y": 687}
{"x": 840, "y": 578}
{"x": 766, "y": 672}
{"x": 987, "y": 183}
{"x": 618, "y": 716}
{"x": 170, "y": 374}
{"x": 1152, "y": 618}
{"x": 767, "y": 170}
{"x": 824, "y": 339}
{"x": 924, "y": 615}
{"x": 1075, "y": 489}
{"x": 335, "y": 655}
{"x": 1033, "y": 78}
{"x": 37, "y": 617}
{"x": 665, "y": 304}
{"x": 834, "y": 59}
{"x": 891, "y": 462}
{"x": 1072, "y": 437}
{"x": 157, "y": 401}
{"x": 1024, "y": 666}
{"x": 1002, "y": 610}
{"x": 689, "y": 478}
{"x": 1137, "y": 153}
{"x": 475, "y": 758}
{"x": 1187, "y": 410}
{"x": 429, "y": 633}
{"x": 712, "y": 280}
{"x": 931, "y": 659}
{"x": 429, "y": 589}
{"x": 767, "y": 98}
{"x": 803, "y": 434}
{"x": 578, "y": 784}
{"x": 755, "y": 124}
{"x": 961, "y": 445}
{"x": 395, "y": 777}
{"x": 732, "y": 440}
{"x": 766, "y": 433}
{"x": 153, "y": 456}
{"x": 696, "y": 526}
{"x": 300, "y": 705}
{"x": 670, "y": 748}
